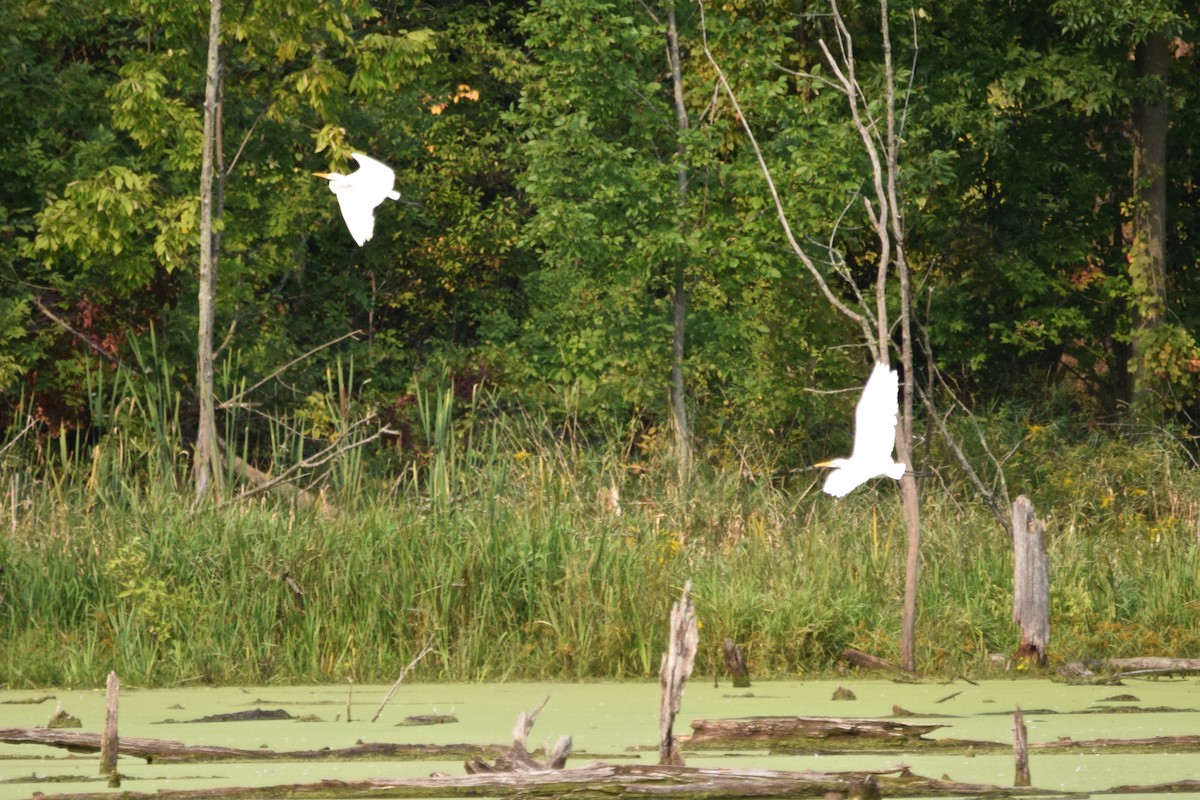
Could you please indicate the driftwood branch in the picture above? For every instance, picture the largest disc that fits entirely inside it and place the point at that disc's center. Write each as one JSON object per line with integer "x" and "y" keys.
{"x": 517, "y": 758}
{"x": 417, "y": 660}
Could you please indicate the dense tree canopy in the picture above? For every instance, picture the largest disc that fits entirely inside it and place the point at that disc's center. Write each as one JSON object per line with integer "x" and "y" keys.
{"x": 538, "y": 150}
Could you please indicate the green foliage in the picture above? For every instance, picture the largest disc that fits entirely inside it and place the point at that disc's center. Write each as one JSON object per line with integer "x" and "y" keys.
{"x": 539, "y": 155}
{"x": 155, "y": 606}
{"x": 506, "y": 546}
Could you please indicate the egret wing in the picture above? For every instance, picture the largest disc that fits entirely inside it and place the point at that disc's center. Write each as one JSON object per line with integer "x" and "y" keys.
{"x": 359, "y": 214}
{"x": 876, "y": 415}
{"x": 374, "y": 179}
{"x": 840, "y": 482}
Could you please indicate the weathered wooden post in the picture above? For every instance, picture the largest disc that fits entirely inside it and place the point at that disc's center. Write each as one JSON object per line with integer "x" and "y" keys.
{"x": 736, "y": 665}
{"x": 110, "y": 743}
{"x": 676, "y": 669}
{"x": 1031, "y": 582}
{"x": 1021, "y": 749}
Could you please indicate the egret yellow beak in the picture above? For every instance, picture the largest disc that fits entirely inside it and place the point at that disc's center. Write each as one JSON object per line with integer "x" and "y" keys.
{"x": 322, "y": 175}
{"x": 823, "y": 464}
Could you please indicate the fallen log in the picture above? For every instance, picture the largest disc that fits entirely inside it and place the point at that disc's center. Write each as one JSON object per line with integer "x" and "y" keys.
{"x": 164, "y": 751}
{"x": 1189, "y": 743}
{"x": 828, "y": 735}
{"x": 815, "y": 734}
{"x": 603, "y": 782}
{"x": 867, "y": 661}
{"x": 1108, "y": 670}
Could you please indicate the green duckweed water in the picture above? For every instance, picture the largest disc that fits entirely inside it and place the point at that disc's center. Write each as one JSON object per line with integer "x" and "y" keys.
{"x": 606, "y": 720}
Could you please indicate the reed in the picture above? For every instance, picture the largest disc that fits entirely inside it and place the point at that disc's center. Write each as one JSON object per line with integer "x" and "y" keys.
{"x": 499, "y": 535}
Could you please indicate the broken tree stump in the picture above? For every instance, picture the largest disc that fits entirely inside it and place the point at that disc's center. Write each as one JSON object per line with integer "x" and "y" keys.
{"x": 517, "y": 757}
{"x": 736, "y": 665}
{"x": 1020, "y": 749}
{"x": 1031, "y": 582}
{"x": 110, "y": 743}
{"x": 676, "y": 669}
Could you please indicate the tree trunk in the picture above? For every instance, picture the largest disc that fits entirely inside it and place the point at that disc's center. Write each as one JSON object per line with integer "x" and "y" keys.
{"x": 679, "y": 291}
{"x": 910, "y": 497}
{"x": 1147, "y": 257}
{"x": 205, "y": 471}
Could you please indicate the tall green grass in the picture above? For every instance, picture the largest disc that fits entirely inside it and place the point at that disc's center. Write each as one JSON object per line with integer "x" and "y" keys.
{"x": 495, "y": 536}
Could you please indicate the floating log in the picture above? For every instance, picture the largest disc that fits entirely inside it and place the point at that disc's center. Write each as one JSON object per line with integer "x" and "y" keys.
{"x": 249, "y": 715}
{"x": 808, "y": 734}
{"x": 164, "y": 751}
{"x": 843, "y": 735}
{"x": 602, "y": 781}
{"x": 1031, "y": 582}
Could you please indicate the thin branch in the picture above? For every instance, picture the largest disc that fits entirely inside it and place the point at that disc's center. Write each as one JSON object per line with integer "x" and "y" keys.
{"x": 29, "y": 425}
{"x": 833, "y": 299}
{"x": 245, "y": 140}
{"x": 50, "y": 315}
{"x": 810, "y": 76}
{"x": 998, "y": 505}
{"x": 321, "y": 458}
{"x": 237, "y": 397}
{"x": 424, "y": 652}
{"x": 228, "y": 338}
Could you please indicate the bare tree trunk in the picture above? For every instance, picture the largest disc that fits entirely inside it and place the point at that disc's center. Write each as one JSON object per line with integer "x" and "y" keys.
{"x": 885, "y": 213}
{"x": 1147, "y": 261}
{"x": 205, "y": 471}
{"x": 679, "y": 291}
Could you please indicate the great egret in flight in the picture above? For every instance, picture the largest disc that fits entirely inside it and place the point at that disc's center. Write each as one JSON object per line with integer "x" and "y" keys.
{"x": 359, "y": 192}
{"x": 874, "y": 436}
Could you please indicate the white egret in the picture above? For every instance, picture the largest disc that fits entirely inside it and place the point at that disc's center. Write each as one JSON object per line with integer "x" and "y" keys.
{"x": 360, "y": 192}
{"x": 874, "y": 436}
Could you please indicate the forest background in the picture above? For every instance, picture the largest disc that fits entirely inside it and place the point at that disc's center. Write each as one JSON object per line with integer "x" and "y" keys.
{"x": 580, "y": 363}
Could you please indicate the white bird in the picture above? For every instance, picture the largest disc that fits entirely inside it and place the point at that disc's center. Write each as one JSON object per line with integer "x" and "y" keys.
{"x": 360, "y": 192}
{"x": 874, "y": 436}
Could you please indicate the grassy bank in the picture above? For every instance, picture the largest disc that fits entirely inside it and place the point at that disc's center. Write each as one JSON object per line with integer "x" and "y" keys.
{"x": 500, "y": 541}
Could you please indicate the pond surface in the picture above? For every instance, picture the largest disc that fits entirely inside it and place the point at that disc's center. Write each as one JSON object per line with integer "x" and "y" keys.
{"x": 606, "y": 720}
